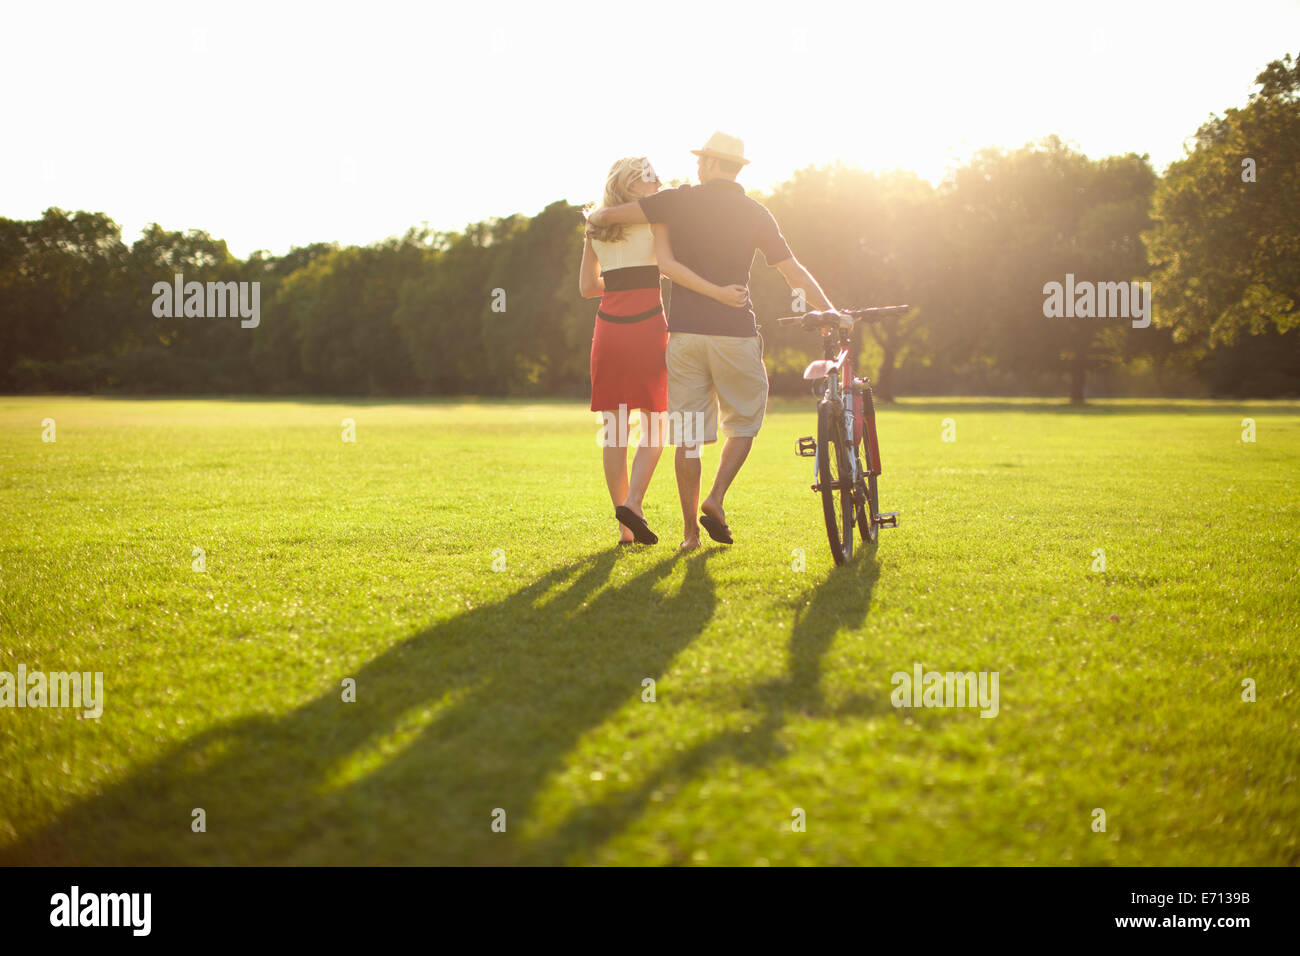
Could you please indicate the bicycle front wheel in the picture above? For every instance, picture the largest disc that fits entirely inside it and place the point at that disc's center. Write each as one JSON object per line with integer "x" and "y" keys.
{"x": 868, "y": 497}
{"x": 834, "y": 480}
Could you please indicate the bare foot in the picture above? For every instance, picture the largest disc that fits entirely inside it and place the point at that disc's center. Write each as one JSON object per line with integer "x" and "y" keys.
{"x": 624, "y": 535}
{"x": 690, "y": 544}
{"x": 713, "y": 510}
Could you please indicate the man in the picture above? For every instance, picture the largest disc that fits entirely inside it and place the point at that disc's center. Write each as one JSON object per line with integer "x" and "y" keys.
{"x": 715, "y": 355}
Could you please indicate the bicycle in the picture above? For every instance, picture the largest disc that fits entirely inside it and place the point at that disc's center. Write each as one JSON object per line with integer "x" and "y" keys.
{"x": 838, "y": 468}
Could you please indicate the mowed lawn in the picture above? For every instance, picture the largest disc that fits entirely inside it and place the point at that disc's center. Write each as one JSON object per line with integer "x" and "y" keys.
{"x": 518, "y": 694}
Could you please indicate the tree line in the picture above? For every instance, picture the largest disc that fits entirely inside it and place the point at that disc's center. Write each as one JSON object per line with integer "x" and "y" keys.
{"x": 494, "y": 309}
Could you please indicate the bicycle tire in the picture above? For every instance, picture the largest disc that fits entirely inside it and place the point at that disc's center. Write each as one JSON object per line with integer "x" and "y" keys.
{"x": 869, "y": 507}
{"x": 837, "y": 502}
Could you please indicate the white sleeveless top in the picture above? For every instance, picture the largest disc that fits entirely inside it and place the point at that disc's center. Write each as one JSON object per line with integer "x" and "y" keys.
{"x": 636, "y": 248}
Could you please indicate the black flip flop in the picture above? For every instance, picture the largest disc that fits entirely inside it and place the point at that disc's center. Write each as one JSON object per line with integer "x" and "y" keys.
{"x": 640, "y": 530}
{"x": 718, "y": 531}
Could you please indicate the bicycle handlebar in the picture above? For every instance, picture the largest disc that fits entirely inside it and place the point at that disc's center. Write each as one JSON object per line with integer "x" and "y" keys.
{"x": 820, "y": 321}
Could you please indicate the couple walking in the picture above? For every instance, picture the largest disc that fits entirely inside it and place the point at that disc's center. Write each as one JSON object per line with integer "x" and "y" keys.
{"x": 705, "y": 362}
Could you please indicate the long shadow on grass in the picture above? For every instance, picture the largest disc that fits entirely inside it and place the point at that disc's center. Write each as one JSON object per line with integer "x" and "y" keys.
{"x": 471, "y": 715}
{"x": 840, "y": 602}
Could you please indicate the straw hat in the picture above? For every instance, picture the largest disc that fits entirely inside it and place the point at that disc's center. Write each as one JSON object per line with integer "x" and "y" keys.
{"x": 722, "y": 146}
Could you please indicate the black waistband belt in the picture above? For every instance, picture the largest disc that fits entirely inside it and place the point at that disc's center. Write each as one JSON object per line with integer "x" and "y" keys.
{"x": 639, "y": 317}
{"x": 631, "y": 277}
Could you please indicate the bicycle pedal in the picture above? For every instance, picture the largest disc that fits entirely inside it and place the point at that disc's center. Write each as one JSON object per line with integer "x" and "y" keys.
{"x": 887, "y": 519}
{"x": 807, "y": 447}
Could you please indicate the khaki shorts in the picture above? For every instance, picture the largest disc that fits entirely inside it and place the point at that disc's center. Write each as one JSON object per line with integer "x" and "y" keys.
{"x": 708, "y": 373}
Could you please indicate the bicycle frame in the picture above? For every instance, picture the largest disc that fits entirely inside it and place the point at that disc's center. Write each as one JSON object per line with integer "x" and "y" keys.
{"x": 837, "y": 367}
{"x": 846, "y": 424}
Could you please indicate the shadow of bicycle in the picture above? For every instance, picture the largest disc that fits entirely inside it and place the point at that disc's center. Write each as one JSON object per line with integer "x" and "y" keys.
{"x": 841, "y": 602}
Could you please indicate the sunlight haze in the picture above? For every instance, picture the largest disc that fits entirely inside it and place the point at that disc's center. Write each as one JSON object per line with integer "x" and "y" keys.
{"x": 271, "y": 125}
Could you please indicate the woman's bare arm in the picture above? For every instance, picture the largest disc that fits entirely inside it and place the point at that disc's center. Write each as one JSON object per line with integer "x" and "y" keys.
{"x": 590, "y": 284}
{"x": 732, "y": 295}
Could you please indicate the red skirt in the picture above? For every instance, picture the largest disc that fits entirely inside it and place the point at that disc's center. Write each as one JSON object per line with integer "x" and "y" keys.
{"x": 627, "y": 356}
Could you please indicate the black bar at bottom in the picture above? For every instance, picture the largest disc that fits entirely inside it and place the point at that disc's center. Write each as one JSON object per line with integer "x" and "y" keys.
{"x": 330, "y": 905}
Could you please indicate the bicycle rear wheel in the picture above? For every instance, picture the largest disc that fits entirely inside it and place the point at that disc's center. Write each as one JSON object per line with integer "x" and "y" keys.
{"x": 834, "y": 482}
{"x": 869, "y": 499}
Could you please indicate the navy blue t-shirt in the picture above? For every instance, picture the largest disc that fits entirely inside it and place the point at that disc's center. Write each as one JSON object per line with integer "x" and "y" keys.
{"x": 714, "y": 230}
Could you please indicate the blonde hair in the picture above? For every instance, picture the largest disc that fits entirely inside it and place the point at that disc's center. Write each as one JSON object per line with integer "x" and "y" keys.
{"x": 618, "y": 190}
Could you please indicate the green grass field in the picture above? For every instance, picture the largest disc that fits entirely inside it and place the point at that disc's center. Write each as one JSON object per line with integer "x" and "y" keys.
{"x": 521, "y": 689}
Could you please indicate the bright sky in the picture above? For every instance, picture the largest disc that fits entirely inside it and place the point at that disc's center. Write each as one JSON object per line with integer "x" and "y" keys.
{"x": 276, "y": 124}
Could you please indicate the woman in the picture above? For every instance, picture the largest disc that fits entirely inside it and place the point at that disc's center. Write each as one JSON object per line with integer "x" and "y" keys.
{"x": 631, "y": 334}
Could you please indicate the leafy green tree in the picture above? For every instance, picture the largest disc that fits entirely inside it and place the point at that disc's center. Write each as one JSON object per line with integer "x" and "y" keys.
{"x": 343, "y": 306}
{"x": 1226, "y": 241}
{"x": 869, "y": 239}
{"x": 442, "y": 309}
{"x": 60, "y": 287}
{"x": 179, "y": 353}
{"x": 531, "y": 344}
{"x": 1016, "y": 221}
{"x": 277, "y": 341}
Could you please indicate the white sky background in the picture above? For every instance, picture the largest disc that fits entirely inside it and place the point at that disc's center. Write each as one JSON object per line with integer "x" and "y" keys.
{"x": 276, "y": 124}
